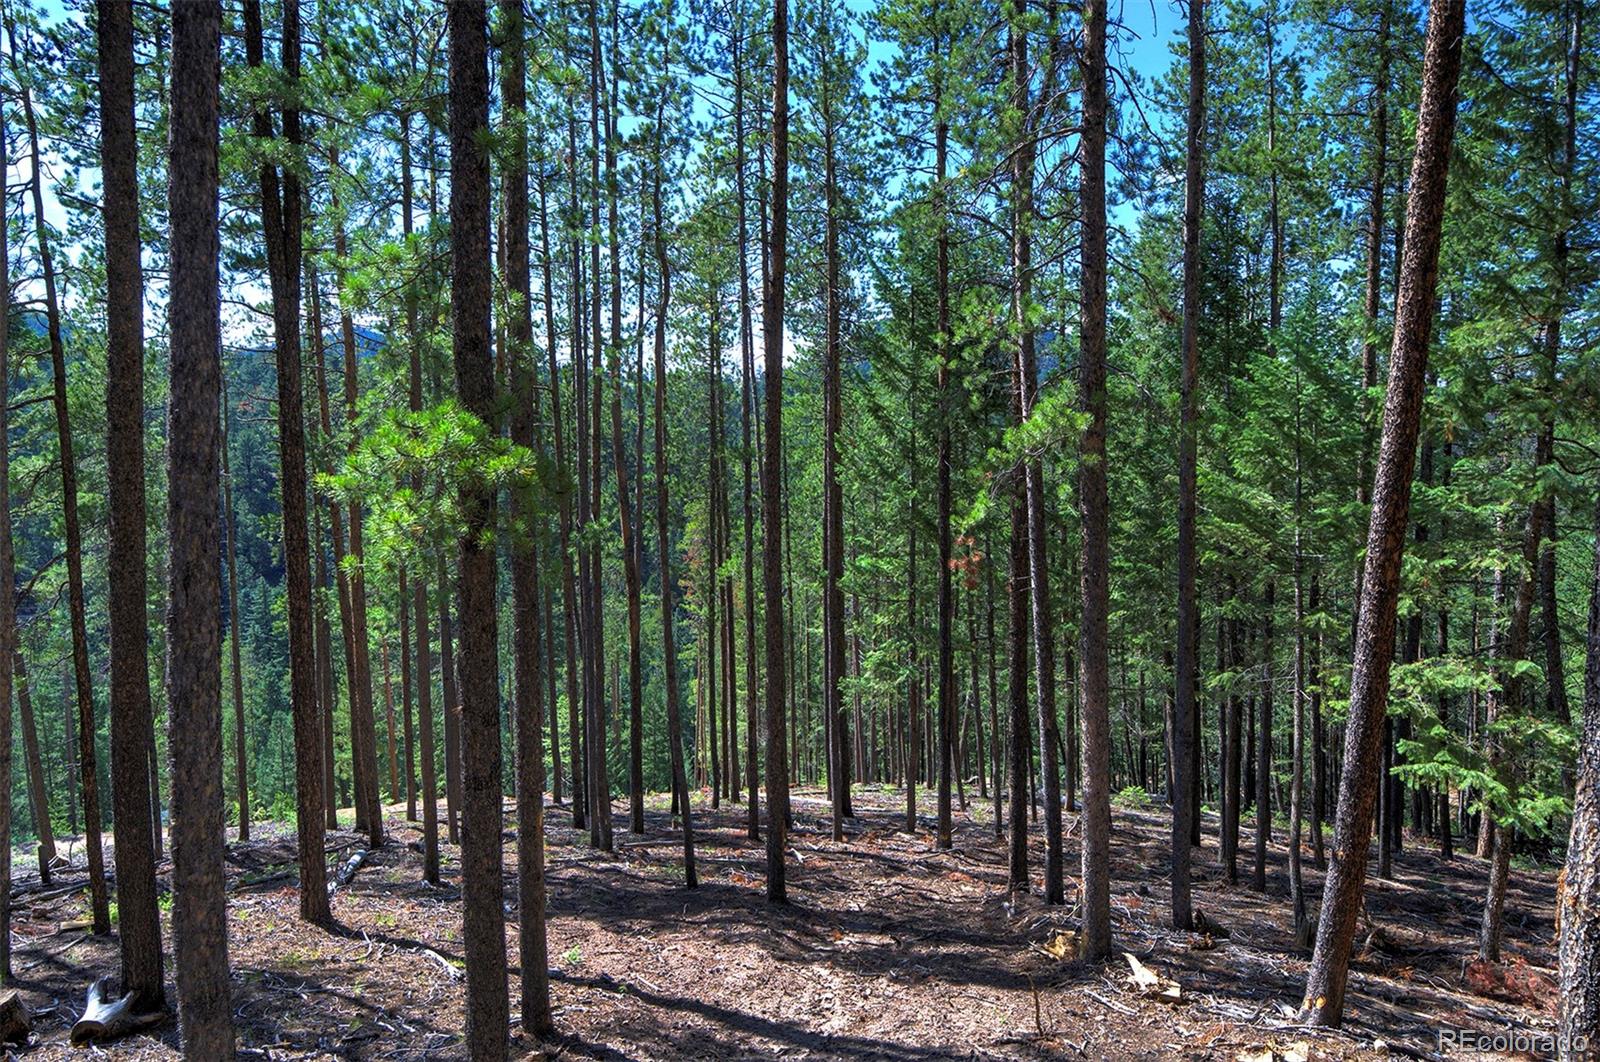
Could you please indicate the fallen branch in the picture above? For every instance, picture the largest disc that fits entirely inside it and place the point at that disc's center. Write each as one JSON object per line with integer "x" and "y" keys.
{"x": 348, "y": 870}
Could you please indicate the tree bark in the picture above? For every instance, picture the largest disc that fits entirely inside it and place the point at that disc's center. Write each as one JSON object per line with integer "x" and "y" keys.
{"x": 419, "y": 578}
{"x": 236, "y": 671}
{"x": 1258, "y": 876}
{"x": 777, "y": 766}
{"x": 38, "y": 801}
{"x": 833, "y": 491}
{"x": 388, "y": 714}
{"x": 1093, "y": 503}
{"x": 83, "y": 689}
{"x": 281, "y": 222}
{"x": 1341, "y": 903}
{"x": 747, "y": 418}
{"x": 363, "y": 724}
{"x": 1578, "y": 906}
{"x": 669, "y": 645}
{"x": 408, "y": 726}
{"x": 1019, "y": 784}
{"x": 943, "y": 457}
{"x": 138, "y": 918}
{"x": 194, "y": 600}
{"x": 8, "y": 629}
{"x": 1184, "y": 736}
{"x": 531, "y": 941}
{"x": 471, "y": 286}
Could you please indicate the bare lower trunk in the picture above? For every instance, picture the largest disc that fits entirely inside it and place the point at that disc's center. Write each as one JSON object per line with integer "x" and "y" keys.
{"x": 1374, "y": 650}
{"x": 82, "y": 688}
{"x": 483, "y": 899}
{"x": 138, "y": 917}
{"x": 1578, "y": 907}
{"x": 194, "y": 601}
{"x": 772, "y": 523}
{"x": 281, "y": 223}
{"x": 1093, "y": 503}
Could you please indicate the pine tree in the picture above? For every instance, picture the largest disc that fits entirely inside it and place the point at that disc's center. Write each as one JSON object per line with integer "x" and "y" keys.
{"x": 194, "y": 602}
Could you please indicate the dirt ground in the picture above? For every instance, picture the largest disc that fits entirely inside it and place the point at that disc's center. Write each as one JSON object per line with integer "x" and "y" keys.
{"x": 888, "y": 950}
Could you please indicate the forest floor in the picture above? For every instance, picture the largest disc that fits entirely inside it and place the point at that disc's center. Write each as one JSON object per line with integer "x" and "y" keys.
{"x": 888, "y": 950}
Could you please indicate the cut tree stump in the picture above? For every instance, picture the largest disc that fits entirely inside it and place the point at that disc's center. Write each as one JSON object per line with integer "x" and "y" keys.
{"x": 106, "y": 1020}
{"x": 15, "y": 1021}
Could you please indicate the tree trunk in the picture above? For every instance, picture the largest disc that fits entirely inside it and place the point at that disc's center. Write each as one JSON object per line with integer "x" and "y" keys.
{"x": 281, "y": 222}
{"x": 450, "y": 688}
{"x": 388, "y": 715}
{"x": 341, "y": 577}
{"x": 83, "y": 690}
{"x": 1094, "y": 564}
{"x": 747, "y": 417}
{"x": 38, "y": 801}
{"x": 532, "y": 946}
{"x": 8, "y": 631}
{"x": 419, "y": 578}
{"x": 771, "y": 510}
{"x": 236, "y": 669}
{"x": 363, "y": 725}
{"x": 1341, "y": 902}
{"x": 595, "y": 700}
{"x": 669, "y": 645}
{"x": 138, "y": 919}
{"x": 833, "y": 497}
{"x": 407, "y": 723}
{"x": 564, "y": 520}
{"x": 194, "y": 598}
{"x": 483, "y": 927}
{"x": 324, "y": 667}
{"x": 1258, "y": 877}
{"x": 630, "y": 545}
{"x": 1578, "y": 906}
{"x": 1019, "y": 783}
{"x": 1373, "y": 297}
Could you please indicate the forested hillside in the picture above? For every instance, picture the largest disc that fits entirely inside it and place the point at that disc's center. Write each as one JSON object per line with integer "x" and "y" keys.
{"x": 713, "y": 528}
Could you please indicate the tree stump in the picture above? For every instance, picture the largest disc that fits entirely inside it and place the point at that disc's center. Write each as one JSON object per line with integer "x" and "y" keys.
{"x": 107, "y": 1019}
{"x": 15, "y": 1021}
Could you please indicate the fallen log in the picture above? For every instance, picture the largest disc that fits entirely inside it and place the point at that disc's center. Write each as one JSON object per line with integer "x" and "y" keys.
{"x": 104, "y": 1019}
{"x": 348, "y": 870}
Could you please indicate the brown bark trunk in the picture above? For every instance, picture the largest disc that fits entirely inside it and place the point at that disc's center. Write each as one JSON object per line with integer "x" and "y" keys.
{"x": 38, "y": 801}
{"x": 407, "y": 724}
{"x": 236, "y": 671}
{"x": 669, "y": 649}
{"x": 564, "y": 516}
{"x": 483, "y": 928}
{"x": 388, "y": 713}
{"x": 82, "y": 688}
{"x": 138, "y": 919}
{"x": 449, "y": 688}
{"x": 833, "y": 492}
{"x": 1093, "y": 502}
{"x": 323, "y": 645}
{"x": 1184, "y": 737}
{"x": 8, "y": 630}
{"x": 363, "y": 725}
{"x": 532, "y": 947}
{"x": 1374, "y": 650}
{"x": 747, "y": 418}
{"x": 771, "y": 508}
{"x": 281, "y": 222}
{"x": 419, "y": 579}
{"x": 194, "y": 601}
{"x": 1578, "y": 906}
